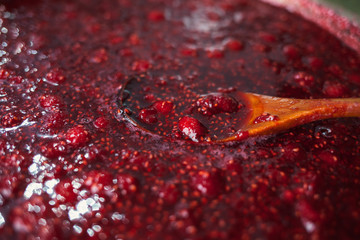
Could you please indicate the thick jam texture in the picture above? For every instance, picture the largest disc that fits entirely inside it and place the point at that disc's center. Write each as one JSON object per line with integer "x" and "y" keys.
{"x": 72, "y": 165}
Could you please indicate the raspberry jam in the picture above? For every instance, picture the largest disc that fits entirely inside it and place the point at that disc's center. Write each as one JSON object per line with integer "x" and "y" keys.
{"x": 72, "y": 165}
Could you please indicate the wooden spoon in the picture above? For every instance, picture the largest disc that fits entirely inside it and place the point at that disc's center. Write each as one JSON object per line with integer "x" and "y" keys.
{"x": 287, "y": 112}
{"x": 290, "y": 112}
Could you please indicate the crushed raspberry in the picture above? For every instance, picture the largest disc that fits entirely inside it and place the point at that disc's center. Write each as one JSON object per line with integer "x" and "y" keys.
{"x": 53, "y": 121}
{"x": 126, "y": 52}
{"x": 54, "y": 149}
{"x": 215, "y": 53}
{"x": 4, "y": 74}
{"x": 316, "y": 63}
{"x": 65, "y": 192}
{"x": 11, "y": 119}
{"x": 267, "y": 37}
{"x": 148, "y": 116}
{"x": 242, "y": 135}
{"x": 97, "y": 180}
{"x": 291, "y": 52}
{"x": 234, "y": 45}
{"x": 55, "y": 76}
{"x": 15, "y": 79}
{"x": 334, "y": 89}
{"x": 266, "y": 118}
{"x": 336, "y": 70}
{"x": 49, "y": 101}
{"x": 169, "y": 193}
{"x": 354, "y": 78}
{"x": 208, "y": 183}
{"x": 304, "y": 79}
{"x": 101, "y": 123}
{"x": 307, "y": 213}
{"x": 77, "y": 136}
{"x": 163, "y": 107}
{"x": 328, "y": 157}
{"x": 127, "y": 184}
{"x": 156, "y": 16}
{"x": 216, "y": 103}
{"x": 99, "y": 56}
{"x": 189, "y": 52}
{"x": 141, "y": 66}
{"x": 192, "y": 128}
{"x": 134, "y": 39}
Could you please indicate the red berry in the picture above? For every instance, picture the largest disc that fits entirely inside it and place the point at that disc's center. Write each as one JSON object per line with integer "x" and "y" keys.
{"x": 134, "y": 39}
{"x": 336, "y": 70}
{"x": 22, "y": 221}
{"x": 334, "y": 89}
{"x": 242, "y": 135}
{"x": 156, "y": 16}
{"x": 2, "y": 147}
{"x": 11, "y": 119}
{"x": 192, "y": 128}
{"x": 216, "y": 103}
{"x": 234, "y": 166}
{"x": 304, "y": 79}
{"x": 127, "y": 183}
{"x": 291, "y": 52}
{"x": 99, "y": 56}
{"x": 316, "y": 63}
{"x": 37, "y": 41}
{"x": 101, "y": 123}
{"x": 97, "y": 180}
{"x": 215, "y": 53}
{"x": 163, "y": 107}
{"x": 126, "y": 52}
{"x": 15, "y": 160}
{"x": 55, "y": 76}
{"x": 24, "y": 217}
{"x": 92, "y": 153}
{"x": 189, "y": 52}
{"x": 49, "y": 101}
{"x": 148, "y": 116}
{"x": 234, "y": 45}
{"x": 354, "y": 78}
{"x": 327, "y": 157}
{"x": 4, "y": 74}
{"x": 288, "y": 196}
{"x": 149, "y": 97}
{"x": 208, "y": 183}
{"x": 293, "y": 152}
{"x": 266, "y": 118}
{"x": 307, "y": 212}
{"x": 7, "y": 184}
{"x": 259, "y": 47}
{"x": 16, "y": 79}
{"x": 169, "y": 193}
{"x": 141, "y": 66}
{"x": 54, "y": 149}
{"x": 53, "y": 121}
{"x": 267, "y": 37}
{"x": 114, "y": 39}
{"x": 65, "y": 192}
{"x": 213, "y": 16}
{"x": 77, "y": 136}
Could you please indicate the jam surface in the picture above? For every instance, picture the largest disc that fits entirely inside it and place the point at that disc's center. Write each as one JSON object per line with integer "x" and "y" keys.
{"x": 72, "y": 165}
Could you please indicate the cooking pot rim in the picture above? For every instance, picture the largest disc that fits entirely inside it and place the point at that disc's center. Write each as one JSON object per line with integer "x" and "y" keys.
{"x": 336, "y": 21}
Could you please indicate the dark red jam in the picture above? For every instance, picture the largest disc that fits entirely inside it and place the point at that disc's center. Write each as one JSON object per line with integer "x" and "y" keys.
{"x": 74, "y": 166}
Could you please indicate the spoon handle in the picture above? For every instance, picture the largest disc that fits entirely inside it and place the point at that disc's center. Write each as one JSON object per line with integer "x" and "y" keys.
{"x": 291, "y": 113}
{"x": 317, "y": 109}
